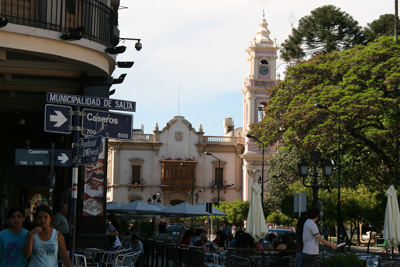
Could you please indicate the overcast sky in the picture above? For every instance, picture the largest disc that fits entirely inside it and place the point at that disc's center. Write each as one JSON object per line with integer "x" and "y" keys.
{"x": 193, "y": 62}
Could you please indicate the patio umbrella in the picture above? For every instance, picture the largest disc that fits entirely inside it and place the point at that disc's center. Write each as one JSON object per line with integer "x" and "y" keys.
{"x": 141, "y": 208}
{"x": 256, "y": 225}
{"x": 184, "y": 210}
{"x": 214, "y": 212}
{"x": 115, "y": 206}
{"x": 391, "y": 229}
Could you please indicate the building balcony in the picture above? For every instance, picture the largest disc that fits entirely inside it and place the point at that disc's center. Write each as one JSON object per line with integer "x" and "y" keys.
{"x": 260, "y": 83}
{"x": 177, "y": 184}
{"x": 221, "y": 140}
{"x": 98, "y": 20}
{"x": 228, "y": 140}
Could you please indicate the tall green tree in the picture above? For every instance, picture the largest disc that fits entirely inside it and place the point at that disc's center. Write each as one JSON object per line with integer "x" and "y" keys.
{"x": 359, "y": 84}
{"x": 384, "y": 26}
{"x": 327, "y": 29}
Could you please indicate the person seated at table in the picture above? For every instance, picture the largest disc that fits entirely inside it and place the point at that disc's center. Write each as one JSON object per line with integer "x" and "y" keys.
{"x": 245, "y": 241}
{"x": 137, "y": 246}
{"x": 220, "y": 239}
{"x": 196, "y": 236}
{"x": 203, "y": 241}
{"x": 271, "y": 241}
{"x": 229, "y": 238}
{"x": 234, "y": 240}
{"x": 259, "y": 244}
{"x": 286, "y": 242}
{"x": 187, "y": 237}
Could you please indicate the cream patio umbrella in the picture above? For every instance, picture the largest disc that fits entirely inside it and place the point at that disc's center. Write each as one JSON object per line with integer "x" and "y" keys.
{"x": 391, "y": 229}
{"x": 256, "y": 225}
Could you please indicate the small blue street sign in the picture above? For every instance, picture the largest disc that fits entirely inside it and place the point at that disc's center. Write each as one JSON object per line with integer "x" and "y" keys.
{"x": 107, "y": 124}
{"x": 91, "y": 101}
{"x": 63, "y": 157}
{"x": 32, "y": 157}
{"x": 57, "y": 119}
{"x": 89, "y": 150}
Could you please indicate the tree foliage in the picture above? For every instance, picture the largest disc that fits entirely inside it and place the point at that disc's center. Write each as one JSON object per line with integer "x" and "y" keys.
{"x": 327, "y": 29}
{"x": 236, "y": 210}
{"x": 361, "y": 86}
{"x": 384, "y": 26}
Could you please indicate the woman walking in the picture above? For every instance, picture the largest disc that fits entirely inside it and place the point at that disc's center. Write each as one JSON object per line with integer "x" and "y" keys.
{"x": 44, "y": 242}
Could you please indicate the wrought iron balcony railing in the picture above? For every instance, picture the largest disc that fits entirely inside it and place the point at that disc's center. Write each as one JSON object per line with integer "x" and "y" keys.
{"x": 98, "y": 20}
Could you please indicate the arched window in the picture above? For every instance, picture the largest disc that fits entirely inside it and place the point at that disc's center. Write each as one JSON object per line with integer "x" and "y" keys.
{"x": 261, "y": 111}
{"x": 264, "y": 62}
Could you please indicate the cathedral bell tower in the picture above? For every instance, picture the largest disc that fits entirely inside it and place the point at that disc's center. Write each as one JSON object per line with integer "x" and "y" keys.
{"x": 262, "y": 56}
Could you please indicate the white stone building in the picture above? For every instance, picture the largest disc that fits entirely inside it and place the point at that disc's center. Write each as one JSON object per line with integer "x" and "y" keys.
{"x": 171, "y": 164}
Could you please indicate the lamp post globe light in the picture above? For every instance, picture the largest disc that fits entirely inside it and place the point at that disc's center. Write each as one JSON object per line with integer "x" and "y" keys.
{"x": 318, "y": 105}
{"x": 156, "y": 198}
{"x": 262, "y": 166}
{"x": 327, "y": 168}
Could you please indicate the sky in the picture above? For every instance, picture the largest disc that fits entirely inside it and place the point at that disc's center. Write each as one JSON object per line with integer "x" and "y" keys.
{"x": 193, "y": 62}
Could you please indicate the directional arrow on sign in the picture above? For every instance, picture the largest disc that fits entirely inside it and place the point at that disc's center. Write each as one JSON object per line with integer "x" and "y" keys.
{"x": 59, "y": 118}
{"x": 63, "y": 158}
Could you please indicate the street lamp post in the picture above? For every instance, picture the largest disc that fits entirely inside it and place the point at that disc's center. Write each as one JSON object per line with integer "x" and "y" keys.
{"x": 262, "y": 167}
{"x": 192, "y": 170}
{"x": 318, "y": 105}
{"x": 327, "y": 168}
{"x": 156, "y": 198}
{"x": 219, "y": 179}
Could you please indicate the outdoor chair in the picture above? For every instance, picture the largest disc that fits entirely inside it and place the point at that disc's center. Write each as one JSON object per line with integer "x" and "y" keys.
{"x": 79, "y": 260}
{"x": 196, "y": 258}
{"x": 108, "y": 258}
{"x": 184, "y": 257}
{"x": 172, "y": 255}
{"x": 126, "y": 260}
{"x": 236, "y": 261}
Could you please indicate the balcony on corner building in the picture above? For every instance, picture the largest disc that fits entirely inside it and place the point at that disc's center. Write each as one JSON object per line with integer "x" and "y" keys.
{"x": 98, "y": 21}
{"x": 177, "y": 177}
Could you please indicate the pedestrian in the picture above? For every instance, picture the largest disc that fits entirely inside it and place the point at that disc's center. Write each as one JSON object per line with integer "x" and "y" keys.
{"x": 60, "y": 221}
{"x": 226, "y": 229}
{"x": 27, "y": 221}
{"x": 299, "y": 238}
{"x": 311, "y": 239}
{"x": 43, "y": 242}
{"x": 112, "y": 231}
{"x": 12, "y": 239}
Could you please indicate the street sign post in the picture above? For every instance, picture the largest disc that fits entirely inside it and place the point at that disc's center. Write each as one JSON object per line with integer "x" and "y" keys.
{"x": 32, "y": 157}
{"x": 57, "y": 119}
{"x": 91, "y": 101}
{"x": 107, "y": 124}
{"x": 89, "y": 150}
